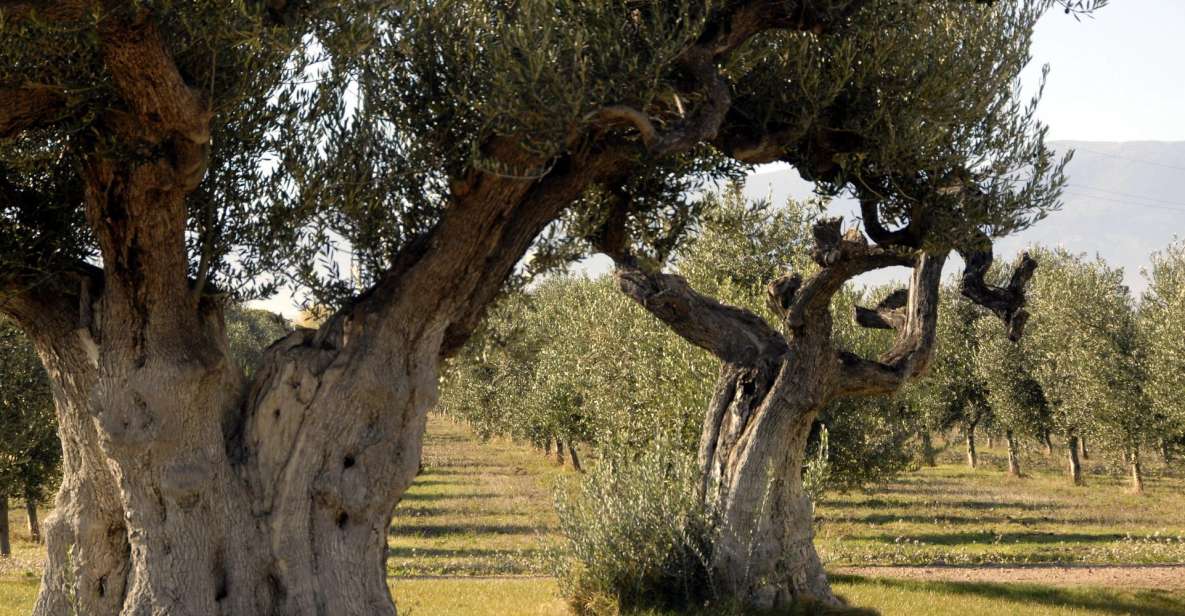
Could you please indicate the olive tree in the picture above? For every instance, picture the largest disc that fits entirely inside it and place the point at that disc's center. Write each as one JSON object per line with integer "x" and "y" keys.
{"x": 1086, "y": 356}
{"x": 1162, "y": 329}
{"x": 1014, "y": 395}
{"x": 157, "y": 158}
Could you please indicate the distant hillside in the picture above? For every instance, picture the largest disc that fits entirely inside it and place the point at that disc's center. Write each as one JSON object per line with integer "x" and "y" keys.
{"x": 1124, "y": 201}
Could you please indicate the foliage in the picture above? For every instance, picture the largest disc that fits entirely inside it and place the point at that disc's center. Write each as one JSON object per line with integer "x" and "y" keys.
{"x": 644, "y": 505}
{"x": 29, "y": 450}
{"x": 1085, "y": 350}
{"x": 1162, "y": 334}
{"x": 250, "y": 331}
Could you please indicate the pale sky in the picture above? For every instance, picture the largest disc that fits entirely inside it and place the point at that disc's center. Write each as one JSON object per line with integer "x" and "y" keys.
{"x": 1119, "y": 76}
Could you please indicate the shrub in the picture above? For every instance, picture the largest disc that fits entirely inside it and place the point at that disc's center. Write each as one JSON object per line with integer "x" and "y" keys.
{"x": 637, "y": 534}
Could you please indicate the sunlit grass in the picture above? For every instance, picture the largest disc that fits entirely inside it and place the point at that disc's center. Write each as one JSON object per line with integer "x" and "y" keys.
{"x": 485, "y": 509}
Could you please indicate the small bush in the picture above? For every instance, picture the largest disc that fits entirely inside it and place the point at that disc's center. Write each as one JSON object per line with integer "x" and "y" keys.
{"x": 637, "y": 535}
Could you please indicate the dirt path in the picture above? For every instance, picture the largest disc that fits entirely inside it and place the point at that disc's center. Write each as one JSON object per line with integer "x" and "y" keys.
{"x": 1163, "y": 577}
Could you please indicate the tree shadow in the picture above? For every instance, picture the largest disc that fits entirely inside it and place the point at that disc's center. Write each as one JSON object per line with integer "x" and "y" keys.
{"x": 440, "y": 530}
{"x": 988, "y": 537}
{"x": 1144, "y": 602}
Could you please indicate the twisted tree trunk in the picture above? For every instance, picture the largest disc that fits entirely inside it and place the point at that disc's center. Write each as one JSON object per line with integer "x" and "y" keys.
{"x": 1013, "y": 455}
{"x": 1075, "y": 465}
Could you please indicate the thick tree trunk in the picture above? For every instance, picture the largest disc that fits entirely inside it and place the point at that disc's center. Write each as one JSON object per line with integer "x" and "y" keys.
{"x": 1013, "y": 455}
{"x": 32, "y": 518}
{"x": 929, "y": 456}
{"x": 751, "y": 455}
{"x": 972, "y": 456}
{"x": 5, "y": 536}
{"x": 1137, "y": 474}
{"x": 575, "y": 458}
{"x": 1075, "y": 465}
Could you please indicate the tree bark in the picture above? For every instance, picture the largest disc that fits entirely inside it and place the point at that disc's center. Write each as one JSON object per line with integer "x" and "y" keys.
{"x": 575, "y": 458}
{"x": 31, "y": 516}
{"x": 972, "y": 457}
{"x": 1048, "y": 442}
{"x": 1075, "y": 465}
{"x": 1082, "y": 443}
{"x": 1137, "y": 474}
{"x": 5, "y": 537}
{"x": 991, "y": 441}
{"x": 929, "y": 456}
{"x": 1013, "y": 455}
{"x": 559, "y": 451}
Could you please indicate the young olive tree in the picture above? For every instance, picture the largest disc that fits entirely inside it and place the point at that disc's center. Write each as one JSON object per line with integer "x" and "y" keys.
{"x": 1014, "y": 395}
{"x": 952, "y": 395}
{"x": 1162, "y": 329}
{"x": 1086, "y": 357}
{"x": 158, "y": 157}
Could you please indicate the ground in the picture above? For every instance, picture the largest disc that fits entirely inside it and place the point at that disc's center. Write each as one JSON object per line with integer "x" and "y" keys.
{"x": 474, "y": 534}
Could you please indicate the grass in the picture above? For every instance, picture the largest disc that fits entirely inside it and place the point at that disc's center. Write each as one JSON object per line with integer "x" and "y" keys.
{"x": 951, "y": 514}
{"x": 472, "y": 534}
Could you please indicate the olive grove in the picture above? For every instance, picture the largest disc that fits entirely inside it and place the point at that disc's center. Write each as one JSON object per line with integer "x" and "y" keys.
{"x": 159, "y": 159}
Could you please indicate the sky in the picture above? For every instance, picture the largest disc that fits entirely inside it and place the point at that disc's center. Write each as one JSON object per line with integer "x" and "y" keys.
{"x": 1119, "y": 76}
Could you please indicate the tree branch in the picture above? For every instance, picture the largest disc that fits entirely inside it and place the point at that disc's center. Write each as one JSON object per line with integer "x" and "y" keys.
{"x": 1005, "y": 302}
{"x": 912, "y": 350}
{"x": 733, "y": 334}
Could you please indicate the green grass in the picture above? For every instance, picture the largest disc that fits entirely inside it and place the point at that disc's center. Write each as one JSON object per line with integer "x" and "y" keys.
{"x": 955, "y": 515}
{"x": 481, "y": 516}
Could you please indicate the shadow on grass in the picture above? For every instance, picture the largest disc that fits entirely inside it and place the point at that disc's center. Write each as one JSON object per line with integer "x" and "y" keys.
{"x": 993, "y": 538}
{"x": 902, "y": 503}
{"x": 1143, "y": 602}
{"x": 410, "y": 552}
{"x": 413, "y": 496}
{"x": 888, "y": 518}
{"x": 441, "y": 530}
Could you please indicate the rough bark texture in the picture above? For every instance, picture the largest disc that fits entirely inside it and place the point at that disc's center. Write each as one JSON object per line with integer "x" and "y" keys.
{"x": 1075, "y": 465}
{"x": 32, "y": 518}
{"x": 1013, "y": 455}
{"x": 5, "y": 537}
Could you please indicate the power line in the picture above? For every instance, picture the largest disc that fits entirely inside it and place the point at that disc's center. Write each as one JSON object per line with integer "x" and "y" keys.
{"x": 1121, "y": 201}
{"x": 1128, "y": 158}
{"x": 1124, "y": 194}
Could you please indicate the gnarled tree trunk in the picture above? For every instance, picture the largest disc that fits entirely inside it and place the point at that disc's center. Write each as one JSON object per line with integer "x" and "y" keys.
{"x": 1013, "y": 455}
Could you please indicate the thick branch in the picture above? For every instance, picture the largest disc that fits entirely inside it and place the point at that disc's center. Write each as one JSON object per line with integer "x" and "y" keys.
{"x": 733, "y": 334}
{"x": 842, "y": 257}
{"x": 888, "y": 314}
{"x": 911, "y": 352}
{"x": 1005, "y": 302}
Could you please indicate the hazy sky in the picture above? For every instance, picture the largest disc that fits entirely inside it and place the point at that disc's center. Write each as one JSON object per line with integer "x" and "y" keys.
{"x": 1119, "y": 76}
